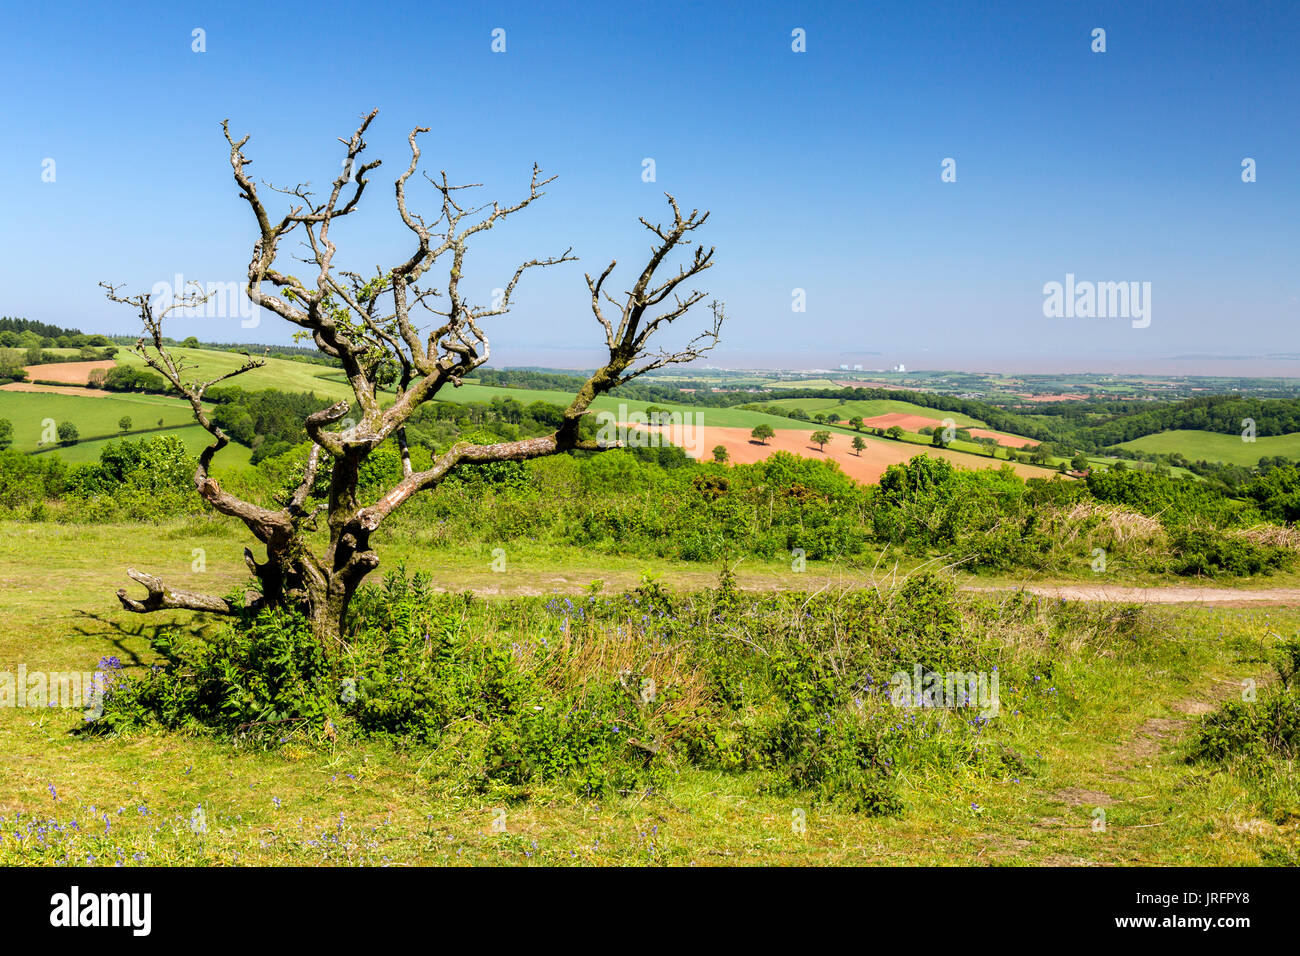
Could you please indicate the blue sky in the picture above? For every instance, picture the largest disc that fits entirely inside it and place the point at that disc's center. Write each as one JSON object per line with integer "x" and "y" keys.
{"x": 821, "y": 168}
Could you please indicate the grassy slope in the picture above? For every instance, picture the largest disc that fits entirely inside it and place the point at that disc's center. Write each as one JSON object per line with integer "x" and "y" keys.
{"x": 99, "y": 416}
{"x": 278, "y": 373}
{"x": 92, "y": 416}
{"x": 231, "y": 458}
{"x": 1113, "y": 743}
{"x": 1211, "y": 446}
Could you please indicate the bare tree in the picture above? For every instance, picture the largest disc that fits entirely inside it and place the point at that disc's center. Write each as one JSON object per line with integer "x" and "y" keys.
{"x": 369, "y": 325}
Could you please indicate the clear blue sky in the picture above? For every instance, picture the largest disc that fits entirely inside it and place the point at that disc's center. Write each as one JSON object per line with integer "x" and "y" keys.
{"x": 822, "y": 169}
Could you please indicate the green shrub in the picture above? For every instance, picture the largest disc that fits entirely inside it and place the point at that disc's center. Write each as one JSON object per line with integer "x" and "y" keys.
{"x": 601, "y": 693}
{"x": 1268, "y": 727}
{"x": 1200, "y": 551}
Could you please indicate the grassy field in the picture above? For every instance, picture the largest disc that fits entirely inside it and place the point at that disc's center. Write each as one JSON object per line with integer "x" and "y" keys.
{"x": 15, "y": 356}
{"x": 94, "y": 417}
{"x": 286, "y": 375}
{"x": 234, "y": 457}
{"x": 1211, "y": 446}
{"x": 722, "y": 417}
{"x": 28, "y": 411}
{"x": 1115, "y": 745}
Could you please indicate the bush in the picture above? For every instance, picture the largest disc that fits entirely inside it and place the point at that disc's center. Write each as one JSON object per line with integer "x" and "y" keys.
{"x": 144, "y": 480}
{"x": 1207, "y": 552}
{"x": 603, "y": 694}
{"x": 267, "y": 672}
{"x": 27, "y": 480}
{"x": 1269, "y": 727}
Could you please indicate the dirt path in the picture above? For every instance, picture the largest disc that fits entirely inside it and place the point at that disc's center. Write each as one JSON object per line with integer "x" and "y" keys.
{"x": 57, "y": 389}
{"x": 1121, "y": 770}
{"x": 1176, "y": 594}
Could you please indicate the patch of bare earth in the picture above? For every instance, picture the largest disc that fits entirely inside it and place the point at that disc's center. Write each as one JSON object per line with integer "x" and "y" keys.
{"x": 1230, "y": 597}
{"x": 866, "y": 467}
{"x": 914, "y": 423}
{"x": 1079, "y": 797}
{"x": 59, "y": 389}
{"x": 71, "y": 373}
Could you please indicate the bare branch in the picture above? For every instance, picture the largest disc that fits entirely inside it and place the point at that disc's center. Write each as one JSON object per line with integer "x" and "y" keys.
{"x": 161, "y": 597}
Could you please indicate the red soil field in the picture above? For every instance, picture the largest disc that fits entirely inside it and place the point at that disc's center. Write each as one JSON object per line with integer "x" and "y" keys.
{"x": 914, "y": 423}
{"x": 73, "y": 373}
{"x": 1054, "y": 398}
{"x": 867, "y": 468}
{"x": 902, "y": 420}
{"x": 1006, "y": 441}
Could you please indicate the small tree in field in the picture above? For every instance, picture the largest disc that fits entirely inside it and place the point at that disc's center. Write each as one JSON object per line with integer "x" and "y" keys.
{"x": 369, "y": 324}
{"x": 68, "y": 434}
{"x": 858, "y": 445}
{"x": 720, "y": 454}
{"x": 124, "y": 424}
{"x": 762, "y": 433}
{"x": 820, "y": 439}
{"x": 856, "y": 423}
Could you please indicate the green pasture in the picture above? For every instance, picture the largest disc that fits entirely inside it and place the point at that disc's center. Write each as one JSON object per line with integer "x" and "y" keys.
{"x": 1211, "y": 446}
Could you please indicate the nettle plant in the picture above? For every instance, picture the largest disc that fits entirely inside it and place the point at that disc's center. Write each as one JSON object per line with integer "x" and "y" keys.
{"x": 369, "y": 324}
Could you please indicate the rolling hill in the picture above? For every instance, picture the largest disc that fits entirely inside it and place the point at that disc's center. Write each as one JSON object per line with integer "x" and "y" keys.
{"x": 97, "y": 417}
{"x": 1212, "y": 446}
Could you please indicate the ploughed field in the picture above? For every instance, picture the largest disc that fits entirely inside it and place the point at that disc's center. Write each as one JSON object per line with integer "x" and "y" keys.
{"x": 866, "y": 467}
{"x": 913, "y": 423}
{"x": 68, "y": 373}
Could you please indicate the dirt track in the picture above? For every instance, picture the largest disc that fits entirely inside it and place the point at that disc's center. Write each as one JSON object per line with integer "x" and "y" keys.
{"x": 56, "y": 389}
{"x": 1232, "y": 597}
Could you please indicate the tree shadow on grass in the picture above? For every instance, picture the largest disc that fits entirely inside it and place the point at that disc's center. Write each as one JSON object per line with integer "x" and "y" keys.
{"x": 118, "y": 633}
